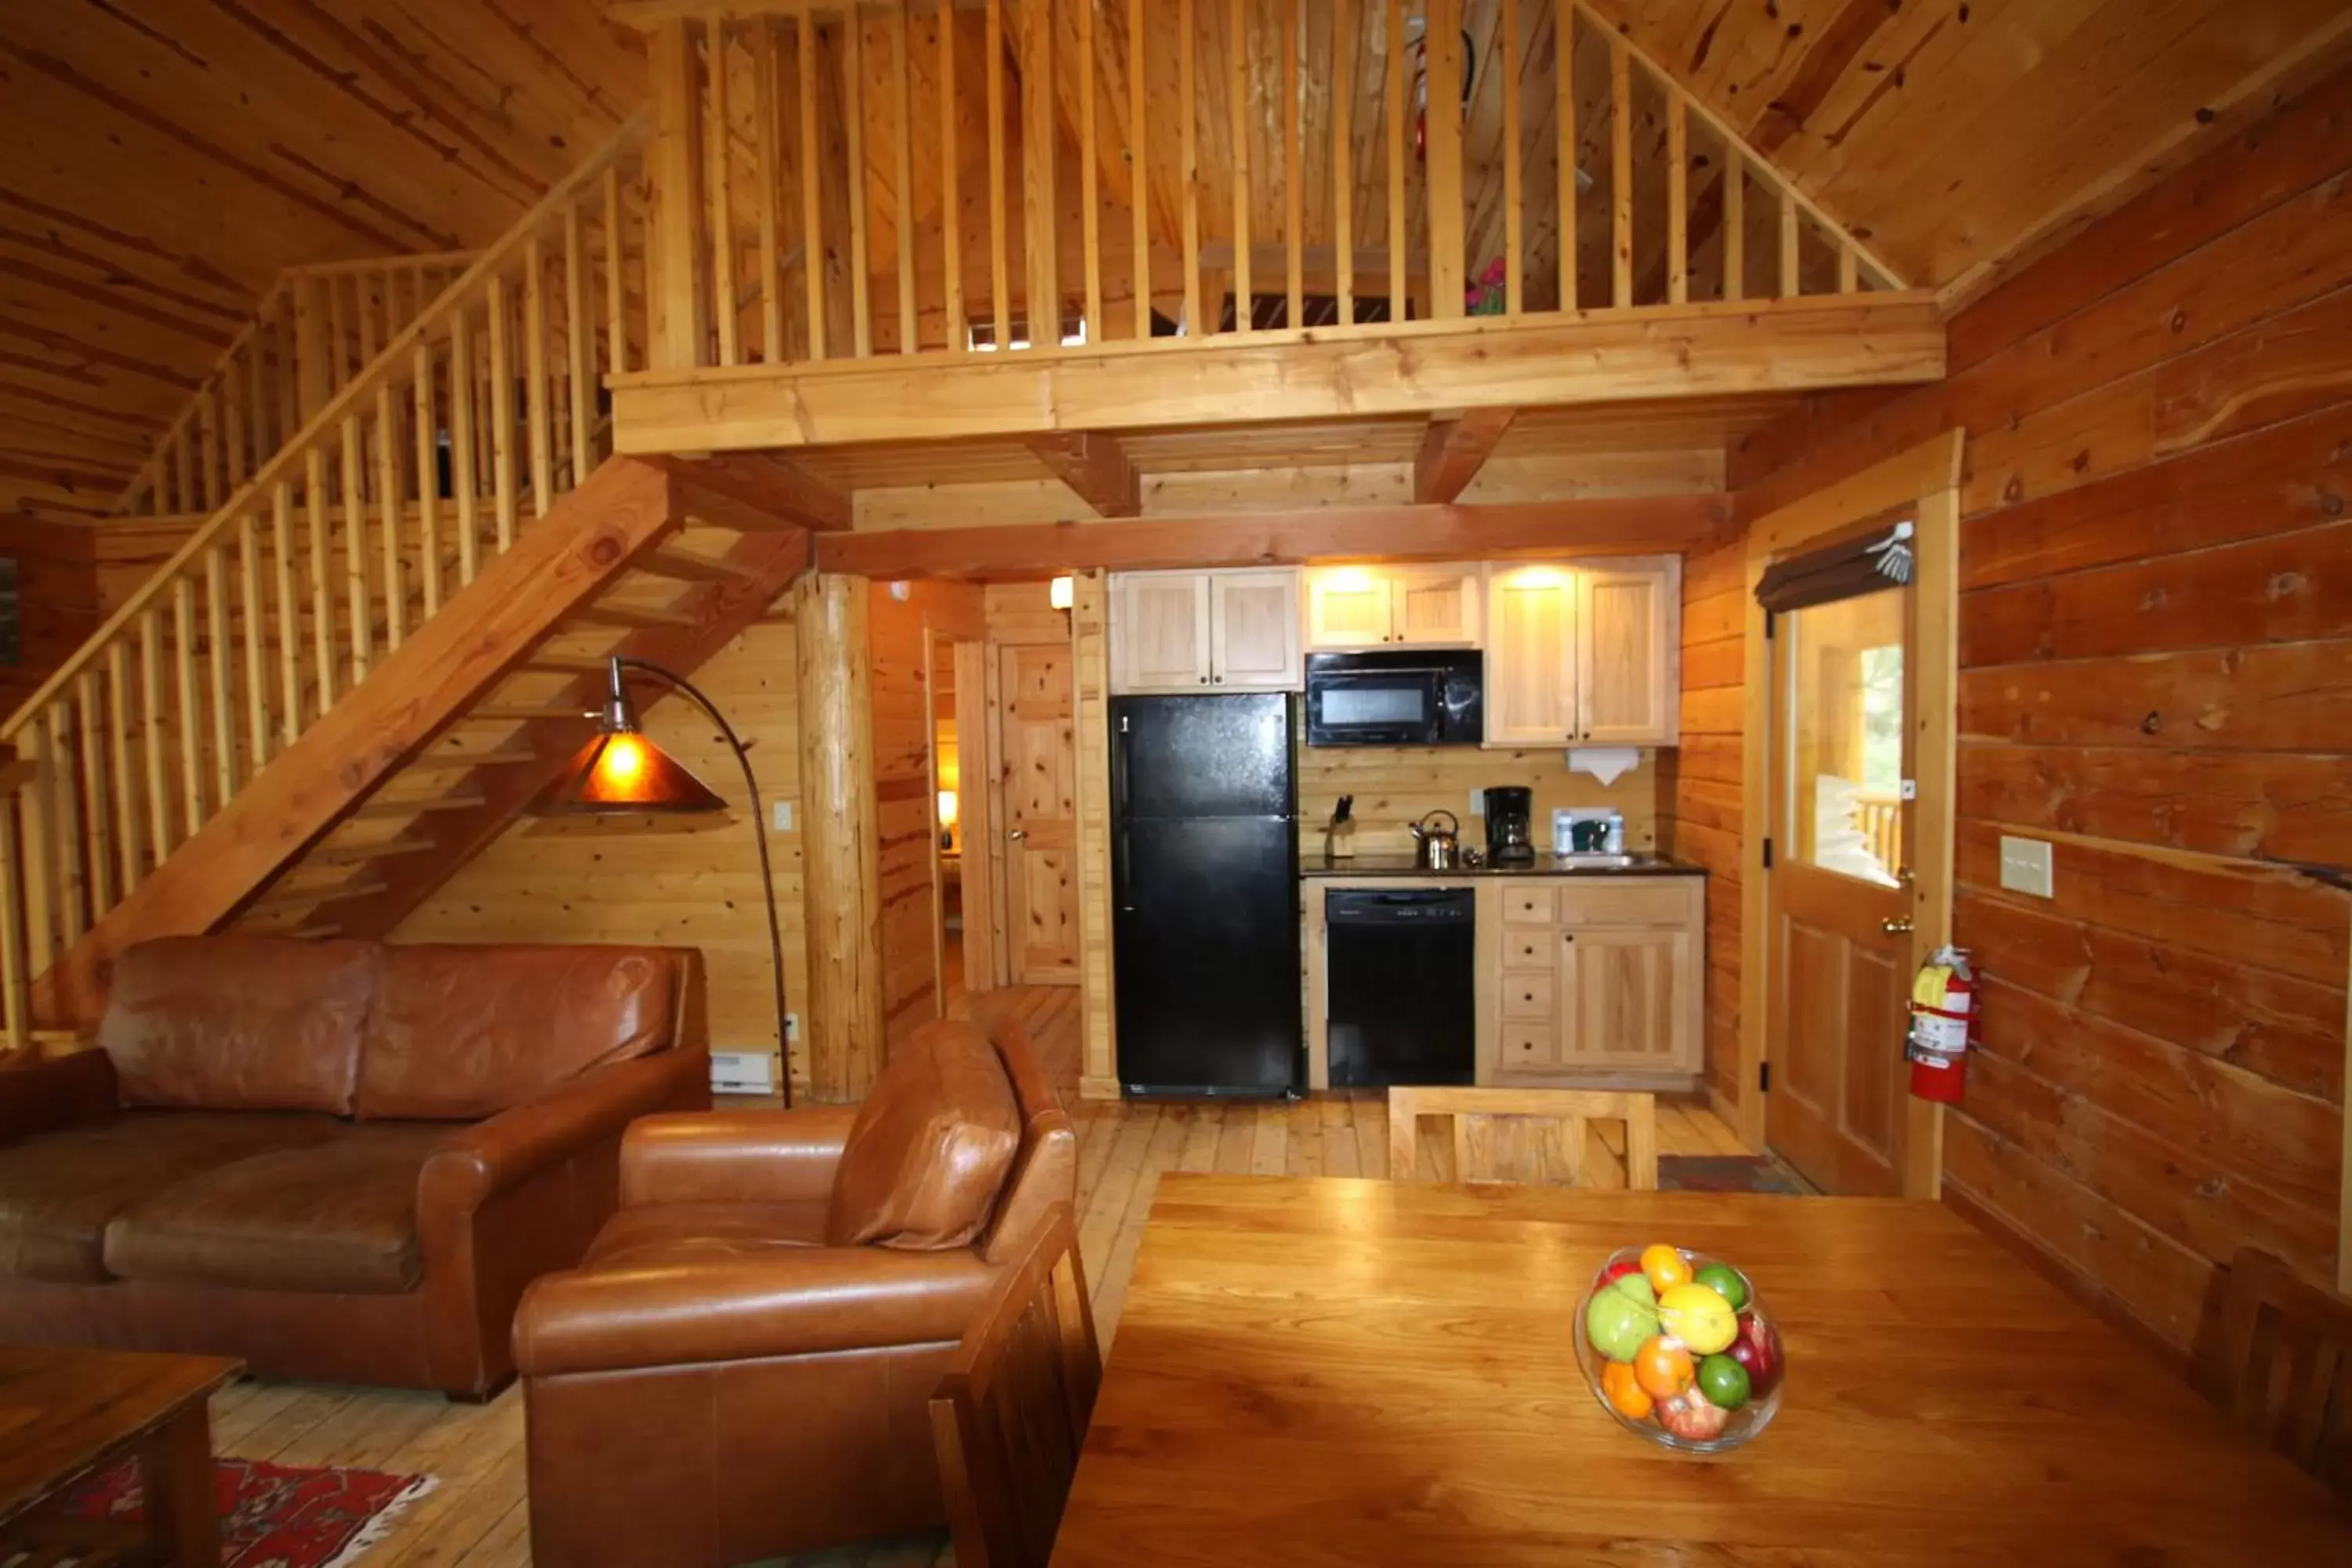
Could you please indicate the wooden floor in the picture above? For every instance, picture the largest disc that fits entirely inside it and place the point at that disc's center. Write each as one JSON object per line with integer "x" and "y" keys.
{"x": 477, "y": 1517}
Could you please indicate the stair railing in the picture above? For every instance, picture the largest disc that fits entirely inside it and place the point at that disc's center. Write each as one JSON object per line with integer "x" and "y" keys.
{"x": 468, "y": 420}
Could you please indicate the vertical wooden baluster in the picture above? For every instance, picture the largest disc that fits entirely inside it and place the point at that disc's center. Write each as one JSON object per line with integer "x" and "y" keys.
{"x": 225, "y": 779}
{"x": 1735, "y": 224}
{"x": 582, "y": 373}
{"x": 191, "y": 717}
{"x": 998, "y": 267}
{"x": 1346, "y": 29}
{"x": 1040, "y": 205}
{"x": 152, "y": 726}
{"x": 1446, "y": 245}
{"x": 257, "y": 418}
{"x": 338, "y": 340}
{"x": 853, "y": 110}
{"x": 40, "y": 851}
{"x": 812, "y": 183}
{"x": 720, "y": 145}
{"x": 903, "y": 171}
{"x": 322, "y": 599}
{"x": 15, "y": 958}
{"x": 1849, "y": 265}
{"x": 1677, "y": 196}
{"x": 958, "y": 331}
{"x": 1188, "y": 95}
{"x": 1515, "y": 297}
{"x": 1792, "y": 283}
{"x": 256, "y": 637}
{"x": 1564, "y": 109}
{"x": 502, "y": 413}
{"x": 368, "y": 306}
{"x": 1089, "y": 193}
{"x": 96, "y": 792}
{"x": 1237, "y": 58}
{"x": 1395, "y": 85}
{"x": 1621, "y": 172}
{"x": 290, "y": 389}
{"x": 290, "y": 617}
{"x": 1138, "y": 160}
{"x": 766, "y": 88}
{"x": 428, "y": 473}
{"x": 1294, "y": 188}
{"x": 617, "y": 254}
{"x": 355, "y": 573}
{"x": 190, "y": 498}
{"x": 461, "y": 445}
{"x": 209, "y": 425}
{"x": 390, "y": 506}
{"x": 534, "y": 376}
{"x": 126, "y": 785}
{"x": 64, "y": 800}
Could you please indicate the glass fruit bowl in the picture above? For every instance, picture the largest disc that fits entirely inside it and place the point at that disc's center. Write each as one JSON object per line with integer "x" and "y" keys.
{"x": 1696, "y": 1367}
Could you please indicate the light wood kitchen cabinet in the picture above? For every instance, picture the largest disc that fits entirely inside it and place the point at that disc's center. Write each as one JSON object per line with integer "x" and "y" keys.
{"x": 1530, "y": 655}
{"x": 1583, "y": 653}
{"x": 1391, "y": 606}
{"x": 1184, "y": 631}
{"x": 1597, "y": 980}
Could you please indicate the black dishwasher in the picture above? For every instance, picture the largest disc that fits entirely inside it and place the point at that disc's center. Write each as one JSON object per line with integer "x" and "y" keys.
{"x": 1399, "y": 989}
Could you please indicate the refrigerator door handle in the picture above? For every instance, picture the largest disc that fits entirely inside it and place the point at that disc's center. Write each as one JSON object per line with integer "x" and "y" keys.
{"x": 1118, "y": 763}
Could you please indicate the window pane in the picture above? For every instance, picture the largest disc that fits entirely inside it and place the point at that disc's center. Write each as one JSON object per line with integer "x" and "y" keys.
{"x": 1846, "y": 762}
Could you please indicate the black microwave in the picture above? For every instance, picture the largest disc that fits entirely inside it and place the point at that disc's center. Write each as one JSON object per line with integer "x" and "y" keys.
{"x": 1395, "y": 698}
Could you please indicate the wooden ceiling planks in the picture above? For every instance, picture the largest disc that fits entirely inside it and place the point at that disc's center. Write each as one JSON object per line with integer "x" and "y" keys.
{"x": 165, "y": 159}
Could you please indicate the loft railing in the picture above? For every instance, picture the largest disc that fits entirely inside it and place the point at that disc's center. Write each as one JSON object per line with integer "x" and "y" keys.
{"x": 465, "y": 422}
{"x": 943, "y": 176}
{"x": 315, "y": 329}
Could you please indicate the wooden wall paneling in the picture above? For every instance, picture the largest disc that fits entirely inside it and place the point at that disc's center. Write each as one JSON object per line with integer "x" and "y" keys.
{"x": 1090, "y": 643}
{"x": 845, "y": 1023}
{"x": 1700, "y": 790}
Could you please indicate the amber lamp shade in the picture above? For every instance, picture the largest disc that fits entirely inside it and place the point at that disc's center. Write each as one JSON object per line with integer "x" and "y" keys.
{"x": 624, "y": 771}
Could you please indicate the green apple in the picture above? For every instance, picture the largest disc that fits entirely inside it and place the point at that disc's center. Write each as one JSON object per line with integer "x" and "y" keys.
{"x": 1725, "y": 1282}
{"x": 1634, "y": 1288}
{"x": 1618, "y": 1322}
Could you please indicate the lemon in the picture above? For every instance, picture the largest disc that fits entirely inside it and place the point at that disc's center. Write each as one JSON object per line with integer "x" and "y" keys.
{"x": 1698, "y": 1317}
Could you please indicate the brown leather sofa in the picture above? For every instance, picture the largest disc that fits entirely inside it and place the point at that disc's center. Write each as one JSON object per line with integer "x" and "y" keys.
{"x": 337, "y": 1160}
{"x": 742, "y": 1367}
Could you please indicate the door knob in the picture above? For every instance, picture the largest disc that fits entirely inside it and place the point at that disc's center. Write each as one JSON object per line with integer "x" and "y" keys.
{"x": 1018, "y": 833}
{"x": 1896, "y": 926}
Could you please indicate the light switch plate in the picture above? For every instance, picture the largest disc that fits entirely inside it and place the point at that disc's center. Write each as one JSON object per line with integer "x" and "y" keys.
{"x": 783, "y": 816}
{"x": 2025, "y": 866}
{"x": 1477, "y": 802}
{"x": 791, "y": 1027}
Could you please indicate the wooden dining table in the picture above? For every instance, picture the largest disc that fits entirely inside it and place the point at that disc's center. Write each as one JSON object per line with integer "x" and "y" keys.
{"x": 1316, "y": 1372}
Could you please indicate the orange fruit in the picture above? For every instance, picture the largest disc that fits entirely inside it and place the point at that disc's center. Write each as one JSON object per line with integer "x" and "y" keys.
{"x": 1664, "y": 1267}
{"x": 1624, "y": 1391}
{"x": 1662, "y": 1368}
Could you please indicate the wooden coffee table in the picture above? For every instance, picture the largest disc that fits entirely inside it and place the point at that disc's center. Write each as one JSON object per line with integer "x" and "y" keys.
{"x": 65, "y": 1414}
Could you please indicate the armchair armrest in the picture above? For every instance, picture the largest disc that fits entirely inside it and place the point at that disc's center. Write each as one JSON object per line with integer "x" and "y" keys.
{"x": 803, "y": 1303}
{"x": 43, "y": 1097}
{"x": 733, "y": 1156}
{"x": 499, "y": 1153}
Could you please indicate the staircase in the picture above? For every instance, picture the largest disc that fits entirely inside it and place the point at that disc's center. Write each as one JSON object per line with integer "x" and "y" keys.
{"x": 384, "y": 643}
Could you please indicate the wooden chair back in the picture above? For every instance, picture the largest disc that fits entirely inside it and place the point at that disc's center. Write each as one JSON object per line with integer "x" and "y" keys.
{"x": 2276, "y": 1352}
{"x": 1010, "y": 1416}
{"x": 1539, "y": 1137}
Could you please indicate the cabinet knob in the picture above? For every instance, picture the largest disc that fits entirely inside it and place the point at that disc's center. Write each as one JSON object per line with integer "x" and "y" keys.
{"x": 1204, "y": 680}
{"x": 1220, "y": 680}
{"x": 1570, "y": 936}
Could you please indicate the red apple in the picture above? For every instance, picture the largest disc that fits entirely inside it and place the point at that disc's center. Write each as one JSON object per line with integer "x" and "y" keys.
{"x": 1757, "y": 1348}
{"x": 1693, "y": 1418}
{"x": 1619, "y": 1270}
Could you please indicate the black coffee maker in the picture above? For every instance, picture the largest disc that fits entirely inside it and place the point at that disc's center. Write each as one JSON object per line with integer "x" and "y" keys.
{"x": 1510, "y": 838}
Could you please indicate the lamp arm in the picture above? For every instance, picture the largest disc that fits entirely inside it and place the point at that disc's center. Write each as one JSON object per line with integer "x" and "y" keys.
{"x": 688, "y": 689}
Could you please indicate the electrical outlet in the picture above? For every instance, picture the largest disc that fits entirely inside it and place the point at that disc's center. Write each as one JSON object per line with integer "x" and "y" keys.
{"x": 783, "y": 816}
{"x": 1477, "y": 802}
{"x": 2025, "y": 866}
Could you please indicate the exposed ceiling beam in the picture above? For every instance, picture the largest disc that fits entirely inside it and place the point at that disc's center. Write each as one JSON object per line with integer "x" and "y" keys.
{"x": 1452, "y": 451}
{"x": 749, "y": 493}
{"x": 1611, "y": 526}
{"x": 1096, "y": 467}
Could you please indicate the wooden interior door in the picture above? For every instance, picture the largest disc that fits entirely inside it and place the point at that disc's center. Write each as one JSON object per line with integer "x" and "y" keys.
{"x": 1839, "y": 965}
{"x": 1036, "y": 759}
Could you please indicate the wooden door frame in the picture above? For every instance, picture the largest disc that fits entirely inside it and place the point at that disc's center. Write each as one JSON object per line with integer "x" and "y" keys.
{"x": 1926, "y": 479}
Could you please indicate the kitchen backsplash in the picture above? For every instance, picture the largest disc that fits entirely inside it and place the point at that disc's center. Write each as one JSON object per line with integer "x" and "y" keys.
{"x": 1395, "y": 785}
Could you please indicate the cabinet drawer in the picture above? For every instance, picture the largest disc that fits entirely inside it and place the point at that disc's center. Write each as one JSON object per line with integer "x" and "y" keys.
{"x": 1529, "y": 904}
{"x": 1529, "y": 947}
{"x": 1529, "y": 995}
{"x": 1650, "y": 901}
{"x": 1530, "y": 1048}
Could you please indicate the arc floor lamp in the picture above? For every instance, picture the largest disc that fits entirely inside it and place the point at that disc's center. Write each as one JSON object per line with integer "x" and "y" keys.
{"x": 621, "y": 772}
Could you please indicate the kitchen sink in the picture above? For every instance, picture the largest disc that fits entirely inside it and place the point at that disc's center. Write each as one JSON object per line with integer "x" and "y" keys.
{"x": 1593, "y": 861}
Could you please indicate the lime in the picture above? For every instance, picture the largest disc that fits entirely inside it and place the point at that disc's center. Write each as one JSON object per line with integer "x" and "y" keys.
{"x": 1724, "y": 1281}
{"x": 1724, "y": 1382}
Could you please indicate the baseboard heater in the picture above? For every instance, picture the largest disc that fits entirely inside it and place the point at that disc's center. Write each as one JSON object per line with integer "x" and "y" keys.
{"x": 742, "y": 1072}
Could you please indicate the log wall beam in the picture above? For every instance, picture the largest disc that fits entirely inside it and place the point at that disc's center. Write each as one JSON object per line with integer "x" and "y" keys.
{"x": 1454, "y": 450}
{"x": 1096, "y": 467}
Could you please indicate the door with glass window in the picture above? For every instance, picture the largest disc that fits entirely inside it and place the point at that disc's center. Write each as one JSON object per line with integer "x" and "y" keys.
{"x": 1840, "y": 898}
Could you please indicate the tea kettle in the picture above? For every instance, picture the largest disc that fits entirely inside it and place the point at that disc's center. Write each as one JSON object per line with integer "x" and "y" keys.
{"x": 1441, "y": 848}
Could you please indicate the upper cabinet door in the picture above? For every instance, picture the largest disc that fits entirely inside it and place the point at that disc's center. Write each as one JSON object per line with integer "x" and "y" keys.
{"x": 1160, "y": 632}
{"x": 1433, "y": 606}
{"x": 1530, "y": 655}
{"x": 1627, "y": 655}
{"x": 1346, "y": 607}
{"x": 1253, "y": 631}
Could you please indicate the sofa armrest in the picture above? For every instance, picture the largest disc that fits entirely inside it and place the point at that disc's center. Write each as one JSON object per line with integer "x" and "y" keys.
{"x": 805, "y": 1302}
{"x": 734, "y": 1156}
{"x": 44, "y": 1097}
{"x": 493, "y": 1155}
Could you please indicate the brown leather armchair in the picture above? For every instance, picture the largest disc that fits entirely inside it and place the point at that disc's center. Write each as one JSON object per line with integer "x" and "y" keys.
{"x": 740, "y": 1367}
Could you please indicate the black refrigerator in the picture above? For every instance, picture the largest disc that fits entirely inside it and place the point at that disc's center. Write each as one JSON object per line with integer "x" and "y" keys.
{"x": 1204, "y": 891}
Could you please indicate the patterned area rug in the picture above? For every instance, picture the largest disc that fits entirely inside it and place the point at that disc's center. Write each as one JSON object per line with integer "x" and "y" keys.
{"x": 1728, "y": 1174}
{"x": 276, "y": 1516}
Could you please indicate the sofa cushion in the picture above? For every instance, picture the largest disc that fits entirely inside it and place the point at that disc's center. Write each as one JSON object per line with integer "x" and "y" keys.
{"x": 660, "y": 1235}
{"x": 238, "y": 1023}
{"x": 929, "y": 1149}
{"x": 467, "y": 1032}
{"x": 336, "y": 1216}
{"x": 58, "y": 1191}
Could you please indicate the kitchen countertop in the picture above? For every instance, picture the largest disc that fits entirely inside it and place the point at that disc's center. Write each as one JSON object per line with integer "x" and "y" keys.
{"x": 1542, "y": 866}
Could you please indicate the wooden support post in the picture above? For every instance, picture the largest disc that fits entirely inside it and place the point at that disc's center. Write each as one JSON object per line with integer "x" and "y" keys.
{"x": 1294, "y": 179}
{"x": 843, "y": 1013}
{"x": 1000, "y": 269}
{"x": 767, "y": 98}
{"x": 950, "y": 195}
{"x": 1139, "y": 94}
{"x": 853, "y": 112}
{"x": 902, "y": 132}
{"x": 680, "y": 300}
{"x": 1791, "y": 280}
{"x": 1677, "y": 196}
{"x": 1188, "y": 96}
{"x": 1735, "y": 223}
{"x": 1089, "y": 175}
{"x": 1564, "y": 109}
{"x": 309, "y": 349}
{"x": 1394, "y": 84}
{"x": 1237, "y": 158}
{"x": 616, "y": 259}
{"x": 1346, "y": 31}
{"x": 811, "y": 173}
{"x": 1446, "y": 243}
{"x": 1620, "y": 173}
{"x": 1040, "y": 205}
{"x": 719, "y": 131}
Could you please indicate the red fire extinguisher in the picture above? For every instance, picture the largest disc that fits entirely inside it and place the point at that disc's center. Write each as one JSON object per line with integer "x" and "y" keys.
{"x": 1943, "y": 1016}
